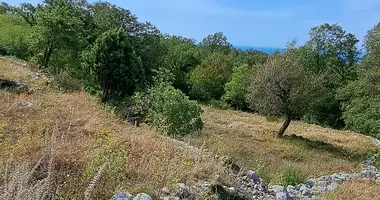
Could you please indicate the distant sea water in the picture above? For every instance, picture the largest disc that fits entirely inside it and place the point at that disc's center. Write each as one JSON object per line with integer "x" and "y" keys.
{"x": 268, "y": 50}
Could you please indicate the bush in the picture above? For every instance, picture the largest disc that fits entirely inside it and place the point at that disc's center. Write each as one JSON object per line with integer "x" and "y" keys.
{"x": 172, "y": 112}
{"x": 291, "y": 176}
{"x": 237, "y": 88}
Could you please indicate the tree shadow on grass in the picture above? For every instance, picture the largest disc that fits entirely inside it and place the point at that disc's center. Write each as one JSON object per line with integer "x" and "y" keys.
{"x": 326, "y": 147}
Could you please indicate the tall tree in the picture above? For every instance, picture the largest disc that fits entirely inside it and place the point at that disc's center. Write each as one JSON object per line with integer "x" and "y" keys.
{"x": 216, "y": 42}
{"x": 283, "y": 87}
{"x": 60, "y": 27}
{"x": 115, "y": 64}
{"x": 333, "y": 54}
{"x": 361, "y": 97}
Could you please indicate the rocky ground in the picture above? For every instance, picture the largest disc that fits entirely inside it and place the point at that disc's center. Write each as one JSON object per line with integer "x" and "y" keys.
{"x": 248, "y": 184}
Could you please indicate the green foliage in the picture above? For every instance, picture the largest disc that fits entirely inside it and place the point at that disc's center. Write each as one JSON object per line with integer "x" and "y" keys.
{"x": 172, "y": 112}
{"x": 208, "y": 79}
{"x": 333, "y": 54}
{"x": 291, "y": 176}
{"x": 181, "y": 58}
{"x": 277, "y": 89}
{"x": 216, "y": 42}
{"x": 115, "y": 64}
{"x": 15, "y": 37}
{"x": 58, "y": 40}
{"x": 237, "y": 88}
{"x": 361, "y": 103}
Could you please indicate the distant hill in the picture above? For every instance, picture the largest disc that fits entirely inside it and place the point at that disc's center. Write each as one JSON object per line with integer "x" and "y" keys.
{"x": 268, "y": 50}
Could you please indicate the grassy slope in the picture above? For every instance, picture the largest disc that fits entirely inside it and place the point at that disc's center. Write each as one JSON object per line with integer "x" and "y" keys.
{"x": 250, "y": 140}
{"x": 357, "y": 190}
{"x": 82, "y": 135}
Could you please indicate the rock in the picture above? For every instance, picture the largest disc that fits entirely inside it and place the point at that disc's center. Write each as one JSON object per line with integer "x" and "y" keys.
{"x": 277, "y": 188}
{"x": 254, "y": 176}
{"x": 26, "y": 105}
{"x": 122, "y": 196}
{"x": 142, "y": 196}
{"x": 282, "y": 196}
{"x": 306, "y": 191}
{"x": 332, "y": 186}
{"x": 310, "y": 182}
{"x": 183, "y": 190}
{"x": 165, "y": 191}
{"x": 232, "y": 189}
{"x": 298, "y": 187}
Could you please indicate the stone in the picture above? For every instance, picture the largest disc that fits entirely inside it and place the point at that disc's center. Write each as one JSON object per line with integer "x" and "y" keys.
{"x": 232, "y": 189}
{"x": 282, "y": 196}
{"x": 142, "y": 196}
{"x": 277, "y": 188}
{"x": 332, "y": 186}
{"x": 306, "y": 191}
{"x": 310, "y": 182}
{"x": 165, "y": 191}
{"x": 26, "y": 105}
{"x": 122, "y": 196}
{"x": 254, "y": 176}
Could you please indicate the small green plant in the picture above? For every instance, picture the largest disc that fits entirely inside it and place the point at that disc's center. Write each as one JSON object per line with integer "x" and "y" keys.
{"x": 376, "y": 159}
{"x": 291, "y": 176}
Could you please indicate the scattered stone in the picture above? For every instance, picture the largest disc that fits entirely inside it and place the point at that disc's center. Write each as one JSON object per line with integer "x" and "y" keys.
{"x": 142, "y": 196}
{"x": 26, "y": 105}
{"x": 165, "y": 191}
{"x": 122, "y": 196}
{"x": 332, "y": 186}
{"x": 306, "y": 191}
{"x": 254, "y": 176}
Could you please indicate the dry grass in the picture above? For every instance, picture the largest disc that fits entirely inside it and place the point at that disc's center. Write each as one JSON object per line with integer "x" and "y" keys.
{"x": 86, "y": 135}
{"x": 250, "y": 140}
{"x": 357, "y": 190}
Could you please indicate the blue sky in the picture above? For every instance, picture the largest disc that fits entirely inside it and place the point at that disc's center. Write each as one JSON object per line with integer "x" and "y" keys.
{"x": 264, "y": 23}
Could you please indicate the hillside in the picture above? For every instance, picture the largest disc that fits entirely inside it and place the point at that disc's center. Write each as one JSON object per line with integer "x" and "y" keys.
{"x": 82, "y": 149}
{"x": 73, "y": 135}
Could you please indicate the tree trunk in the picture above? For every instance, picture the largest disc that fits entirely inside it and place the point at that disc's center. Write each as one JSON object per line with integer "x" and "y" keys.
{"x": 284, "y": 126}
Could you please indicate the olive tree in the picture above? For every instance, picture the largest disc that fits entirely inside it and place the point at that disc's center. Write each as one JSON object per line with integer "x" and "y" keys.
{"x": 282, "y": 87}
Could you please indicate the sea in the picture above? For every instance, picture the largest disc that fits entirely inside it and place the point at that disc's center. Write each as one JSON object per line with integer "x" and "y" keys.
{"x": 268, "y": 50}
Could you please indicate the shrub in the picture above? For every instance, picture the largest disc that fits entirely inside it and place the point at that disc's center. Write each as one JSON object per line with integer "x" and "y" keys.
{"x": 291, "y": 176}
{"x": 172, "y": 112}
{"x": 237, "y": 88}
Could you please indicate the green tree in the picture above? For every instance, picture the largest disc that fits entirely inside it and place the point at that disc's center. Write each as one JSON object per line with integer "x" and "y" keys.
{"x": 181, "y": 58}
{"x": 333, "y": 54}
{"x": 28, "y": 12}
{"x": 283, "y": 87}
{"x": 361, "y": 97}
{"x": 237, "y": 88}
{"x": 208, "y": 79}
{"x": 115, "y": 64}
{"x": 216, "y": 42}
{"x": 59, "y": 33}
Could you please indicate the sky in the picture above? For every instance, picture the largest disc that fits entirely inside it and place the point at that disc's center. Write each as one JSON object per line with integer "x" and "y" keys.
{"x": 260, "y": 23}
